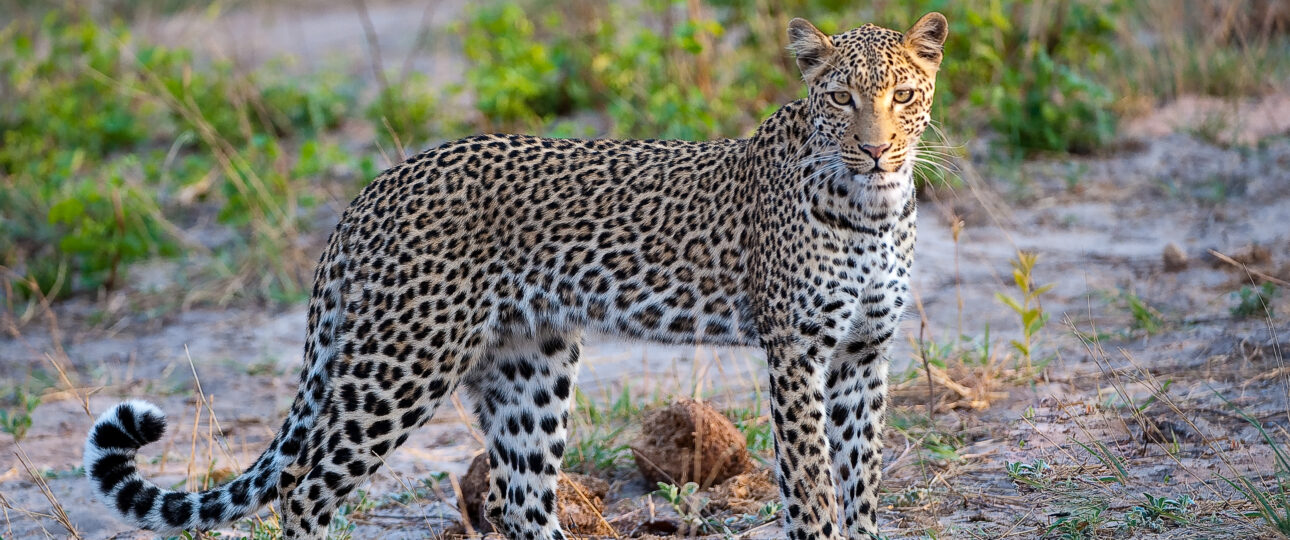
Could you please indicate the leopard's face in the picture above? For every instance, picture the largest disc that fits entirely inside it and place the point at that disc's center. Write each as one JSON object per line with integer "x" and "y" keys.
{"x": 870, "y": 92}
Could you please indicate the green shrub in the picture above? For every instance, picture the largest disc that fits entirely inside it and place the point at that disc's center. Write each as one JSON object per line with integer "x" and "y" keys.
{"x": 103, "y": 228}
{"x": 101, "y": 134}
{"x": 1032, "y": 81}
{"x": 513, "y": 76}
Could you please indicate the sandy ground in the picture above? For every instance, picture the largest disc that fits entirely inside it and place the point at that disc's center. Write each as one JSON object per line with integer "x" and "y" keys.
{"x": 1099, "y": 224}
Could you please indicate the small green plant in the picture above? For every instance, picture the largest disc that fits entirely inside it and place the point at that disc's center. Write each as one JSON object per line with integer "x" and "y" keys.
{"x": 1027, "y": 307}
{"x": 342, "y": 525}
{"x": 756, "y": 428}
{"x": 685, "y": 501}
{"x": 17, "y": 421}
{"x": 1079, "y": 523}
{"x": 1254, "y": 302}
{"x": 688, "y": 504}
{"x": 1031, "y": 474}
{"x": 1157, "y": 510}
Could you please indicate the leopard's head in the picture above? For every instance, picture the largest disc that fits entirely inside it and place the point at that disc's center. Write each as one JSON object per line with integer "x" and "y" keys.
{"x": 870, "y": 91}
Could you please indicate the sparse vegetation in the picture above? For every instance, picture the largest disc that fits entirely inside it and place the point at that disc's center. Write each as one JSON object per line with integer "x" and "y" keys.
{"x": 1254, "y": 301}
{"x": 1026, "y": 305}
{"x": 16, "y": 420}
{"x": 1146, "y": 319}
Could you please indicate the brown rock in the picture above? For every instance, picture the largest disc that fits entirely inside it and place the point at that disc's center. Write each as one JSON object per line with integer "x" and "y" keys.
{"x": 579, "y": 500}
{"x": 690, "y": 441}
{"x": 1174, "y": 258}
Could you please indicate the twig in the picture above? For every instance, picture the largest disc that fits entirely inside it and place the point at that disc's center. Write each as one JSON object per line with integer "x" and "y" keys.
{"x": 1245, "y": 267}
{"x": 587, "y": 501}
{"x": 461, "y": 505}
{"x": 59, "y": 515}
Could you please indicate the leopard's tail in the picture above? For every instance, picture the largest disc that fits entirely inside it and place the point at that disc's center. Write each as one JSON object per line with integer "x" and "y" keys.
{"x": 118, "y": 434}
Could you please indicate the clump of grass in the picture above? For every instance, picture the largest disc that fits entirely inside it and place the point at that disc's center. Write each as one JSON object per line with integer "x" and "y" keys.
{"x": 1272, "y": 505}
{"x": 112, "y": 141}
{"x": 594, "y": 432}
{"x": 1145, "y": 318}
{"x": 1209, "y": 47}
{"x": 756, "y": 427}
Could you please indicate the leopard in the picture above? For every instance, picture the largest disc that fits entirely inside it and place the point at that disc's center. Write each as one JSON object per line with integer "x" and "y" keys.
{"x": 481, "y": 263}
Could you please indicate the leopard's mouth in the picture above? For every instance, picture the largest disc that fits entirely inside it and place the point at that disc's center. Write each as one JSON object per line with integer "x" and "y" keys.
{"x": 876, "y": 172}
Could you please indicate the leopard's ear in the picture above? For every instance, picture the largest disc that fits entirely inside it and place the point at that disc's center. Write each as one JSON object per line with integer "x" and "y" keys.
{"x": 926, "y": 38}
{"x": 811, "y": 47}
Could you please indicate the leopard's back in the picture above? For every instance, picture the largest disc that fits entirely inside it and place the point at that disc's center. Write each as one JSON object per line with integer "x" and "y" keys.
{"x": 641, "y": 239}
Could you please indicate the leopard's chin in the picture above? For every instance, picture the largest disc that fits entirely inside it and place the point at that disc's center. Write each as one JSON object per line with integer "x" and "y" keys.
{"x": 886, "y": 190}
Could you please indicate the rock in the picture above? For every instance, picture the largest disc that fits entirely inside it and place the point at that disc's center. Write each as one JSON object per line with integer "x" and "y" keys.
{"x": 690, "y": 441}
{"x": 1174, "y": 258}
{"x": 579, "y": 513}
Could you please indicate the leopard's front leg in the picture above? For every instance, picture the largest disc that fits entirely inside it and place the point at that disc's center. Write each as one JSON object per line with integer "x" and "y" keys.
{"x": 856, "y": 398}
{"x": 797, "y": 368}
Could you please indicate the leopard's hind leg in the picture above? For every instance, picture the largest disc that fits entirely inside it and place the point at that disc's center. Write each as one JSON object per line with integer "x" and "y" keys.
{"x": 522, "y": 392}
{"x": 382, "y": 387}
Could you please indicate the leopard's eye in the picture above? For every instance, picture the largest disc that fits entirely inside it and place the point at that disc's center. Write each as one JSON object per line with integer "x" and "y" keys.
{"x": 903, "y": 96}
{"x": 840, "y": 98}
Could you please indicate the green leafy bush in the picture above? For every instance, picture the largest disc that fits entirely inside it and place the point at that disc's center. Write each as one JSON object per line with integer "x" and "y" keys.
{"x": 514, "y": 77}
{"x": 1024, "y": 74}
{"x": 102, "y": 135}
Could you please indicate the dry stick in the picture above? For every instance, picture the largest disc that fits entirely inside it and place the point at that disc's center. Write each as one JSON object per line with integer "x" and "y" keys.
{"x": 464, "y": 417}
{"x": 461, "y": 505}
{"x": 1249, "y": 270}
{"x": 33, "y": 515}
{"x": 59, "y": 514}
{"x": 228, "y": 452}
{"x": 398, "y": 143}
{"x": 378, "y": 70}
{"x": 373, "y": 46}
{"x": 192, "y": 451}
{"x": 587, "y": 501}
{"x": 922, "y": 353}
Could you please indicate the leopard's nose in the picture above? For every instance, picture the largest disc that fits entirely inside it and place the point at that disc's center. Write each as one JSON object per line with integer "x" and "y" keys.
{"x": 875, "y": 151}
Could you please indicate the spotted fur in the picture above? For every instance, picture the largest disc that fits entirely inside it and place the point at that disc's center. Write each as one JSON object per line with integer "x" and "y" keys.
{"x": 481, "y": 262}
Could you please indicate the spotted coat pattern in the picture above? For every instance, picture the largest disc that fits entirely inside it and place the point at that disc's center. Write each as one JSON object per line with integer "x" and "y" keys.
{"x": 480, "y": 263}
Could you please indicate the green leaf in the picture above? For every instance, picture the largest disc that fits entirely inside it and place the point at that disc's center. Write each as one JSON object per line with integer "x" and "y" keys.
{"x": 1009, "y": 302}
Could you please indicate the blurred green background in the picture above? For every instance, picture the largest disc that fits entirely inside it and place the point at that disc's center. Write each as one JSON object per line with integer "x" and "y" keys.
{"x": 117, "y": 150}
